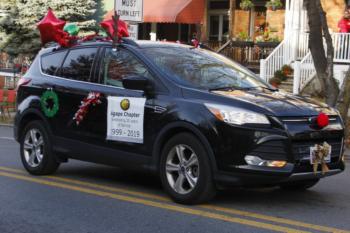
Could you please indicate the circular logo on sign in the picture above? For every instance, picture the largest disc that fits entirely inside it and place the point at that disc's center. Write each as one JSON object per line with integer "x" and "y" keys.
{"x": 125, "y": 104}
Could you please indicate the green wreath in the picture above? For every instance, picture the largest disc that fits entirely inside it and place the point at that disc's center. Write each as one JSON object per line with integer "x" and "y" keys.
{"x": 49, "y": 103}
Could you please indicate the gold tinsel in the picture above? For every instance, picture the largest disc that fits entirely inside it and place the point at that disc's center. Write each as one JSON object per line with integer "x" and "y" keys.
{"x": 319, "y": 155}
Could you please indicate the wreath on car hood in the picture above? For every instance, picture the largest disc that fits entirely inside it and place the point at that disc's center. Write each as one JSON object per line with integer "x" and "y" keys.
{"x": 49, "y": 103}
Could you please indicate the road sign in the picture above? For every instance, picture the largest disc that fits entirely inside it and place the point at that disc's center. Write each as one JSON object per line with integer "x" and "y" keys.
{"x": 130, "y": 10}
{"x": 133, "y": 31}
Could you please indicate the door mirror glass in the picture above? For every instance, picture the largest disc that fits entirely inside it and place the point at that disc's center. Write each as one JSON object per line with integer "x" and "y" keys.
{"x": 136, "y": 83}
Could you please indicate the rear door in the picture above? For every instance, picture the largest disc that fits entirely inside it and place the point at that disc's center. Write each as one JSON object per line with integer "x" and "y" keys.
{"x": 73, "y": 86}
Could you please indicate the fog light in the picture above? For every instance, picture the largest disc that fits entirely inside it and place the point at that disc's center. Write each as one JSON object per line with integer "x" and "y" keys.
{"x": 257, "y": 161}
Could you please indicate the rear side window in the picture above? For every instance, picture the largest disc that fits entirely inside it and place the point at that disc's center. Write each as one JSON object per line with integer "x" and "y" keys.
{"x": 50, "y": 63}
{"x": 78, "y": 64}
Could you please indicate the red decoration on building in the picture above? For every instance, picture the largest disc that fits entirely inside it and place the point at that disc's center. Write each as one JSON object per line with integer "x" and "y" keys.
{"x": 109, "y": 27}
{"x": 91, "y": 100}
{"x": 322, "y": 120}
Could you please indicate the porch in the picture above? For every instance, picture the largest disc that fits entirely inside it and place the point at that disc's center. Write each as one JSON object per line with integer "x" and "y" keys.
{"x": 294, "y": 49}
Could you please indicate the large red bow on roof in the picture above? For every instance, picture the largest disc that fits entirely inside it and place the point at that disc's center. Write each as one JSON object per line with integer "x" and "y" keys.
{"x": 109, "y": 27}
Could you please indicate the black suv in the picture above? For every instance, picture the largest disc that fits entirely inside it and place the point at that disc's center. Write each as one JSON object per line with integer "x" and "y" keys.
{"x": 198, "y": 119}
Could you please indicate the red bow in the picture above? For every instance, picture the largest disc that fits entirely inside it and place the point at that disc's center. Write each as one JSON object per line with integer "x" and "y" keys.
{"x": 122, "y": 28}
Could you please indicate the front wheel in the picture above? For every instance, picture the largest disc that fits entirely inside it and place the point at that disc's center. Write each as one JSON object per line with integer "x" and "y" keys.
{"x": 299, "y": 185}
{"x": 185, "y": 170}
{"x": 36, "y": 153}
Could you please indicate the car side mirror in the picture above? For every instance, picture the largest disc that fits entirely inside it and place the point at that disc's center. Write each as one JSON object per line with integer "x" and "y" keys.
{"x": 136, "y": 83}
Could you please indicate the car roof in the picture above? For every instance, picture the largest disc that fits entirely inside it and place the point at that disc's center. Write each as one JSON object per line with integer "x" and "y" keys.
{"x": 135, "y": 43}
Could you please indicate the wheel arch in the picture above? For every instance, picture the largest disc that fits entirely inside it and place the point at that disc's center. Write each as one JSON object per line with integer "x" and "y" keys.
{"x": 175, "y": 128}
{"x": 28, "y": 116}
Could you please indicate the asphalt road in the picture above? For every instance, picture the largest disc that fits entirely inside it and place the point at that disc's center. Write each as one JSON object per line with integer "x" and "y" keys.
{"x": 85, "y": 197}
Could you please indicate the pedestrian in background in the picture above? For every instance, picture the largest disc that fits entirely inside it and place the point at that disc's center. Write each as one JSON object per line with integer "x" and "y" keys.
{"x": 344, "y": 23}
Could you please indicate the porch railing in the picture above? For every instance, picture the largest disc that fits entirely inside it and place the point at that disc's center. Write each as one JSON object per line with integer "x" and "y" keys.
{"x": 284, "y": 54}
{"x": 341, "y": 43}
{"x": 245, "y": 52}
{"x": 280, "y": 56}
{"x": 305, "y": 71}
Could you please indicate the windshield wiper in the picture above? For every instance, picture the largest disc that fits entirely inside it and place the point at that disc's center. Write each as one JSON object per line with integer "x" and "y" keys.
{"x": 266, "y": 88}
{"x": 230, "y": 88}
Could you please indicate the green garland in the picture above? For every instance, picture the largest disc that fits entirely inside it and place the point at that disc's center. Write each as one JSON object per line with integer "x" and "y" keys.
{"x": 50, "y": 111}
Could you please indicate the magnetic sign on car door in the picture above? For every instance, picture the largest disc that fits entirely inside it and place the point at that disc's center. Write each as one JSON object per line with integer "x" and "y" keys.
{"x": 125, "y": 118}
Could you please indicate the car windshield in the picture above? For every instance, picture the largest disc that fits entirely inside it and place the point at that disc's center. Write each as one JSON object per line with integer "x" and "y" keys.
{"x": 203, "y": 69}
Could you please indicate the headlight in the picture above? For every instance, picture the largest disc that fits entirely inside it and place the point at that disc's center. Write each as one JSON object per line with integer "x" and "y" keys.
{"x": 237, "y": 116}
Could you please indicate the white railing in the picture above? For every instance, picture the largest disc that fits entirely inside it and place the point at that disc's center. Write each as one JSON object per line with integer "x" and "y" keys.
{"x": 283, "y": 54}
{"x": 341, "y": 43}
{"x": 303, "y": 48}
{"x": 305, "y": 70}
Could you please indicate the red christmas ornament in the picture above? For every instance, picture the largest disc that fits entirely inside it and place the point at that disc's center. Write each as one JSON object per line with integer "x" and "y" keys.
{"x": 122, "y": 28}
{"x": 322, "y": 120}
{"x": 51, "y": 28}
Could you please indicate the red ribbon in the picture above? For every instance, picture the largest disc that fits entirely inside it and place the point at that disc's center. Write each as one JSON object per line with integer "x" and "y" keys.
{"x": 91, "y": 100}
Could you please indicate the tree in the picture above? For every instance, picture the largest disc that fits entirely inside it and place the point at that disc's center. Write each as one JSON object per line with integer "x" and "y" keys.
{"x": 23, "y": 15}
{"x": 323, "y": 58}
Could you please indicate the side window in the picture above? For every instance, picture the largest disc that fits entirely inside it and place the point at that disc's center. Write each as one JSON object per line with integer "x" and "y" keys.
{"x": 78, "y": 64}
{"x": 51, "y": 62}
{"x": 120, "y": 64}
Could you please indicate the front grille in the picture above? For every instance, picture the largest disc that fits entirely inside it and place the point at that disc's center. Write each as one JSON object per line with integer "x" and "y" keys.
{"x": 305, "y": 120}
{"x": 271, "y": 150}
{"x": 301, "y": 150}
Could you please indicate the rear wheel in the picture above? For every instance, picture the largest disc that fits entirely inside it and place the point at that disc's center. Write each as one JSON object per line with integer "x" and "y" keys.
{"x": 185, "y": 170}
{"x": 299, "y": 185}
{"x": 36, "y": 154}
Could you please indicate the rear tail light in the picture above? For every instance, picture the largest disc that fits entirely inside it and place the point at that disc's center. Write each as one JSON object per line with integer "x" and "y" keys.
{"x": 23, "y": 82}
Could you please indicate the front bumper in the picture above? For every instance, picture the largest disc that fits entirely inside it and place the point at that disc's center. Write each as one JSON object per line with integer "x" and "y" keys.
{"x": 248, "y": 175}
{"x": 290, "y": 141}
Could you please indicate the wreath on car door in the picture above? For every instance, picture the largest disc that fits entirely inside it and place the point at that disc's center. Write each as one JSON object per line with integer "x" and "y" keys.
{"x": 49, "y": 103}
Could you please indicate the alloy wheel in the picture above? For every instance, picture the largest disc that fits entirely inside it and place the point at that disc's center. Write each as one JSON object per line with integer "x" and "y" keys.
{"x": 182, "y": 169}
{"x": 33, "y": 148}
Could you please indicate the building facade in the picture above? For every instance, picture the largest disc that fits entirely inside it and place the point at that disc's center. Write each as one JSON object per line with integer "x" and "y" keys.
{"x": 215, "y": 21}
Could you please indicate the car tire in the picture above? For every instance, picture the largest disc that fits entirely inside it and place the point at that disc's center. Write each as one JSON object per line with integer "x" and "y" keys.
{"x": 185, "y": 170}
{"x": 36, "y": 152}
{"x": 299, "y": 185}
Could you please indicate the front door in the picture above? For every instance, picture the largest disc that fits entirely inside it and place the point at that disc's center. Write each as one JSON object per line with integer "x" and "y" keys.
{"x": 130, "y": 119}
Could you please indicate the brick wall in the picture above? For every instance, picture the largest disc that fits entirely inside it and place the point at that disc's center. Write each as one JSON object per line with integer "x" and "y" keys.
{"x": 276, "y": 22}
{"x": 241, "y": 22}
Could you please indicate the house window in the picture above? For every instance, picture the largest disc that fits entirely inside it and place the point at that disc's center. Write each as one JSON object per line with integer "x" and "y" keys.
{"x": 218, "y": 27}
{"x": 218, "y": 5}
{"x": 218, "y": 20}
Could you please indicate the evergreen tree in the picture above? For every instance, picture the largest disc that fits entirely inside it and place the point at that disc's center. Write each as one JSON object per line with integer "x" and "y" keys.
{"x": 23, "y": 15}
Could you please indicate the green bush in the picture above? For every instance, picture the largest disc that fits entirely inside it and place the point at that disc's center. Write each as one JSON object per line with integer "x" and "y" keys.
{"x": 280, "y": 75}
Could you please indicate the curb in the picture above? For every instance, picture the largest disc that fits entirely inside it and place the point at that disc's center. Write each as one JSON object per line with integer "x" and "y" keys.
{"x": 6, "y": 125}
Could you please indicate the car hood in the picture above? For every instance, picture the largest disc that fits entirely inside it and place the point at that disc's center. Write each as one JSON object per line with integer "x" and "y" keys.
{"x": 279, "y": 103}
